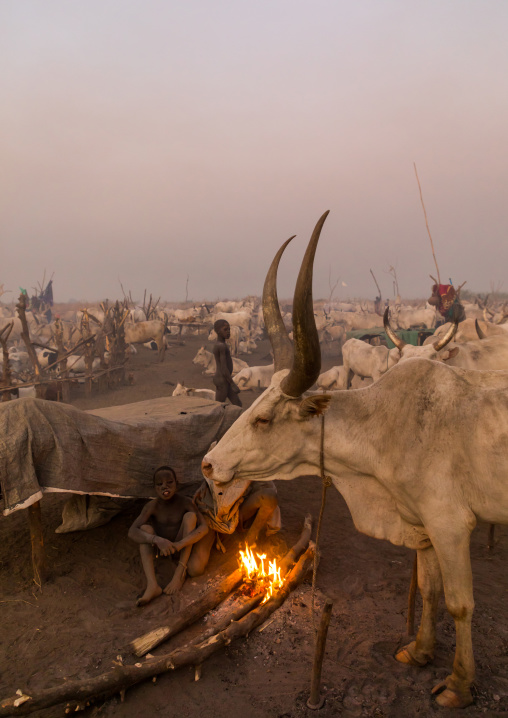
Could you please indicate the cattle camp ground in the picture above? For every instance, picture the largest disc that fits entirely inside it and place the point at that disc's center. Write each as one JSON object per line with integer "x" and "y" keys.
{"x": 79, "y": 621}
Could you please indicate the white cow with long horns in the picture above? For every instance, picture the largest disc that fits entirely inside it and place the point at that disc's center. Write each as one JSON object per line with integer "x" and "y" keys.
{"x": 420, "y": 456}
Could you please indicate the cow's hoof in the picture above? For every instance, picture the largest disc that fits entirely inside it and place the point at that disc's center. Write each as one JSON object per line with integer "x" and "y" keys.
{"x": 408, "y": 656}
{"x": 449, "y": 698}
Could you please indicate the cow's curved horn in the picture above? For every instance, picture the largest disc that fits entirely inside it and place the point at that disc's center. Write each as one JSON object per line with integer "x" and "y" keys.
{"x": 447, "y": 337}
{"x": 399, "y": 343}
{"x": 307, "y": 353}
{"x": 479, "y": 330}
{"x": 282, "y": 346}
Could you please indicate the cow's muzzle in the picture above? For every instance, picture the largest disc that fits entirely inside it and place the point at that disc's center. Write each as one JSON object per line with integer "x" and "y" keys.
{"x": 207, "y": 469}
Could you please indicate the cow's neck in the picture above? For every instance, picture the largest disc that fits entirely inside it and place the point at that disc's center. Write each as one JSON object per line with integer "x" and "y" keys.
{"x": 355, "y": 438}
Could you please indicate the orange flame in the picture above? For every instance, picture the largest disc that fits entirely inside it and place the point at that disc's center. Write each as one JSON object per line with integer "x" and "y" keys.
{"x": 256, "y": 572}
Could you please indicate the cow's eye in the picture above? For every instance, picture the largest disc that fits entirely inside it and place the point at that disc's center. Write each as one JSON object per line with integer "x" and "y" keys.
{"x": 261, "y": 420}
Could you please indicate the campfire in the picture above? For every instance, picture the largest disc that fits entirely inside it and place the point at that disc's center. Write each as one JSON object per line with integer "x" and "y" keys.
{"x": 253, "y": 592}
{"x": 255, "y": 574}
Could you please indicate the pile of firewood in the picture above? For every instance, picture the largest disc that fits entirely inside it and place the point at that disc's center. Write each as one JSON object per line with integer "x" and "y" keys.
{"x": 243, "y": 612}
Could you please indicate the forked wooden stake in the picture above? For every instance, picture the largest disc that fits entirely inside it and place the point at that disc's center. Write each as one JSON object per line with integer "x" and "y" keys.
{"x": 316, "y": 700}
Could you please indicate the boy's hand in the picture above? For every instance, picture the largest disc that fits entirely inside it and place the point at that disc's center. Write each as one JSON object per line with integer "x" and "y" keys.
{"x": 165, "y": 547}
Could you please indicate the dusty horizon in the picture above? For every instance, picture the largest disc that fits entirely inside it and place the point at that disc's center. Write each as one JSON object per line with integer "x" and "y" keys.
{"x": 151, "y": 142}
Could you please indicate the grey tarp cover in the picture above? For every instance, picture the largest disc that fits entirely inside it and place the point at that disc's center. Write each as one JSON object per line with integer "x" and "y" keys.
{"x": 48, "y": 446}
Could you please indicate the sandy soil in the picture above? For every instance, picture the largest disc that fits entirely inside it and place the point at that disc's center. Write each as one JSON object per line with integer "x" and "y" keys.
{"x": 85, "y": 615}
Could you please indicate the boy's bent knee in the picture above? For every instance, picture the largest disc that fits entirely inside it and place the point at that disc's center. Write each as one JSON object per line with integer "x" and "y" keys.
{"x": 268, "y": 499}
{"x": 195, "y": 569}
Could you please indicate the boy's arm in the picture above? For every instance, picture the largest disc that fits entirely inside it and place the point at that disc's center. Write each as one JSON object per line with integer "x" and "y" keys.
{"x": 135, "y": 531}
{"x": 224, "y": 370}
{"x": 198, "y": 533}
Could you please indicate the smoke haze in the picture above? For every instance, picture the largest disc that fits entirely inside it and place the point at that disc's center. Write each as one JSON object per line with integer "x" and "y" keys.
{"x": 155, "y": 141}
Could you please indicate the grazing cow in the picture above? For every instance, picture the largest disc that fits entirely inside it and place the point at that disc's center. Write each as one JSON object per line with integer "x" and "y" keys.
{"x": 207, "y": 360}
{"x": 420, "y": 456}
{"x": 254, "y": 377}
{"x": 142, "y": 332}
{"x": 182, "y": 390}
{"x": 364, "y": 360}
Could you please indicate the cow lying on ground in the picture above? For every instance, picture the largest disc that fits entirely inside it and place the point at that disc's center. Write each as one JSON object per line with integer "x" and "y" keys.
{"x": 254, "y": 377}
{"x": 182, "y": 390}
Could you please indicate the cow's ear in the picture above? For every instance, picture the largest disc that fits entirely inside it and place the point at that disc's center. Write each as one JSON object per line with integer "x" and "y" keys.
{"x": 314, "y": 405}
{"x": 452, "y": 353}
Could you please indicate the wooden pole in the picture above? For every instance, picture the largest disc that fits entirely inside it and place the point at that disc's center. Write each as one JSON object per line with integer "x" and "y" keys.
{"x": 411, "y": 600}
{"x": 37, "y": 540}
{"x": 66, "y": 389}
{"x": 427, "y": 225}
{"x": 490, "y": 545}
{"x": 377, "y": 285}
{"x": 89, "y": 352}
{"x": 6, "y": 373}
{"x": 316, "y": 700}
{"x": 25, "y": 335}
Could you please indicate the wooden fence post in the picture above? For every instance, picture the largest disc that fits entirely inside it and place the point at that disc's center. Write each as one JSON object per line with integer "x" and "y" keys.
{"x": 37, "y": 540}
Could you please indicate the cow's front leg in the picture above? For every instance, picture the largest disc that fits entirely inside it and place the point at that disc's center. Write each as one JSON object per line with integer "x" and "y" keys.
{"x": 455, "y": 561}
{"x": 419, "y": 652}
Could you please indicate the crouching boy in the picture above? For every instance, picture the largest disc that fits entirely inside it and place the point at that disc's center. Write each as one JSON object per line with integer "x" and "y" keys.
{"x": 168, "y": 525}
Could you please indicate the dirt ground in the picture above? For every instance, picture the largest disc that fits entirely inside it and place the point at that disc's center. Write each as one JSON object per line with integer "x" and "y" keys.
{"x": 85, "y": 616}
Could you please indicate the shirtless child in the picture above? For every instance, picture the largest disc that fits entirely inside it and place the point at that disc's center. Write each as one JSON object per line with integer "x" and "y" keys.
{"x": 225, "y": 387}
{"x": 171, "y": 523}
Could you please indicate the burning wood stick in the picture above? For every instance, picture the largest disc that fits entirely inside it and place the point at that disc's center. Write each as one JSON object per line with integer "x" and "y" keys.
{"x": 209, "y": 600}
{"x": 77, "y": 693}
{"x": 188, "y": 615}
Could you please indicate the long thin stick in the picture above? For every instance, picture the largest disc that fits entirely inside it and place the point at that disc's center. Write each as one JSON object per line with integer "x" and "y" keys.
{"x": 411, "y": 599}
{"x": 427, "y": 224}
{"x": 377, "y": 285}
{"x": 316, "y": 700}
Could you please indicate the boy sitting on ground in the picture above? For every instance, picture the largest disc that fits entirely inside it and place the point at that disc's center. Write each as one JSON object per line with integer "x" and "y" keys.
{"x": 171, "y": 524}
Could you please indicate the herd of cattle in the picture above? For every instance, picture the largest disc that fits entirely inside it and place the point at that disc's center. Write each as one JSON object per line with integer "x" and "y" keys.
{"x": 479, "y": 342}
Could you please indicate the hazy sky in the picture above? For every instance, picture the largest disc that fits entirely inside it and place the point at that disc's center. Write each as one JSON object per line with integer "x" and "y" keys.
{"x": 151, "y": 140}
